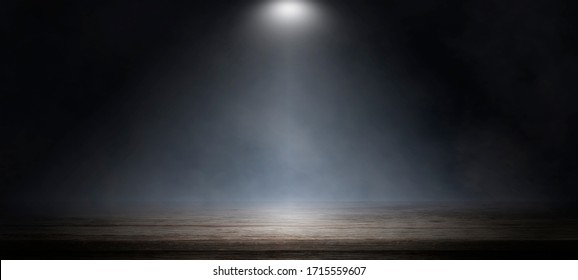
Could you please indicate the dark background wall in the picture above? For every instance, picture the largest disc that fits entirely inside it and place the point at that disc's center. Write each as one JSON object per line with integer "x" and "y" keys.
{"x": 88, "y": 93}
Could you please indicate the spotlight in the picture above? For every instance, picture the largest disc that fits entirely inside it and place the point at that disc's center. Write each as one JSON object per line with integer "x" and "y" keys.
{"x": 291, "y": 15}
{"x": 290, "y": 11}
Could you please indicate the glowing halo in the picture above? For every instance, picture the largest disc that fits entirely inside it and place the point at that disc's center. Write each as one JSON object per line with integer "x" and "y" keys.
{"x": 290, "y": 11}
{"x": 290, "y": 16}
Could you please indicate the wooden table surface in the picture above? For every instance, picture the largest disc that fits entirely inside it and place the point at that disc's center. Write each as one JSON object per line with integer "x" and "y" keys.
{"x": 328, "y": 231}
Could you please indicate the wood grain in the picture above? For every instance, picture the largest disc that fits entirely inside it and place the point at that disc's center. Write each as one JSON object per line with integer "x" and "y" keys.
{"x": 359, "y": 231}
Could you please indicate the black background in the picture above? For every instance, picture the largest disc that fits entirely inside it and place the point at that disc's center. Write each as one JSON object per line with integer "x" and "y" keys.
{"x": 504, "y": 113}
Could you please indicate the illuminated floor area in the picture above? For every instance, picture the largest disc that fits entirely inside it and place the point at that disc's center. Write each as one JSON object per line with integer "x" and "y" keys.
{"x": 346, "y": 231}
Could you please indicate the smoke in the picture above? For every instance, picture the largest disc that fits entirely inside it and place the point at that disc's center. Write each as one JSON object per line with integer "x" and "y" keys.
{"x": 250, "y": 118}
{"x": 404, "y": 101}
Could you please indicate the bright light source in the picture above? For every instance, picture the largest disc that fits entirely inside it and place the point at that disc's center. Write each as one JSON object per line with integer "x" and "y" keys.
{"x": 290, "y": 11}
{"x": 288, "y": 22}
{"x": 289, "y": 16}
